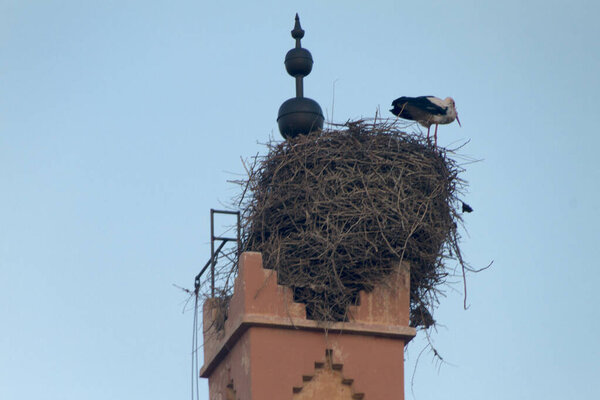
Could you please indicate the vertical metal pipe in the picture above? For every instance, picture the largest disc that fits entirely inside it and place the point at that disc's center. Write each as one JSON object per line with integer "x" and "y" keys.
{"x": 299, "y": 86}
{"x": 239, "y": 236}
{"x": 212, "y": 253}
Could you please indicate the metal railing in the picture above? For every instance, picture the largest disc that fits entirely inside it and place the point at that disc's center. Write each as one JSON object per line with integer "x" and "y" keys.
{"x": 212, "y": 262}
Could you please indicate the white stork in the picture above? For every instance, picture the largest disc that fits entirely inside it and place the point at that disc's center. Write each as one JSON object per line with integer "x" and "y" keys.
{"x": 426, "y": 110}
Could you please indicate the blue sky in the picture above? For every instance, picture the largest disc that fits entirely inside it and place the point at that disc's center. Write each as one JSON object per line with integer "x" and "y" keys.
{"x": 122, "y": 121}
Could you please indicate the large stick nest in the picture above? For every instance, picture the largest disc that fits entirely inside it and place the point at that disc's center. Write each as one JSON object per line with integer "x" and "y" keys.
{"x": 335, "y": 211}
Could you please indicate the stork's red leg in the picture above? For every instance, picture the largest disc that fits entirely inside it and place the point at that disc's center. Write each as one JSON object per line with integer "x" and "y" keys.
{"x": 435, "y": 134}
{"x": 429, "y": 127}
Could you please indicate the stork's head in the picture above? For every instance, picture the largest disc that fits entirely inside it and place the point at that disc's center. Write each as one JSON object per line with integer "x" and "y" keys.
{"x": 452, "y": 106}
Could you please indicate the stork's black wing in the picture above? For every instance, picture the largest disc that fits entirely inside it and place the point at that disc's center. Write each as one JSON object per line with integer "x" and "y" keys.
{"x": 421, "y": 102}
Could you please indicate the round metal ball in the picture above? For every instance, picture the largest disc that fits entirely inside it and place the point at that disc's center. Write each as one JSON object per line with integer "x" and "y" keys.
{"x": 298, "y": 62}
{"x": 299, "y": 115}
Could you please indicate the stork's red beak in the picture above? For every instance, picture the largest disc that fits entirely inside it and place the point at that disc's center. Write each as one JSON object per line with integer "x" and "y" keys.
{"x": 458, "y": 120}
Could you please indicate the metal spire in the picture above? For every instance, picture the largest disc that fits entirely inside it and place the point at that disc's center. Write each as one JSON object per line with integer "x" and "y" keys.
{"x": 299, "y": 115}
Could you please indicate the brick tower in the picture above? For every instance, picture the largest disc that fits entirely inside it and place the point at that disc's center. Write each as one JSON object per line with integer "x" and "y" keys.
{"x": 265, "y": 347}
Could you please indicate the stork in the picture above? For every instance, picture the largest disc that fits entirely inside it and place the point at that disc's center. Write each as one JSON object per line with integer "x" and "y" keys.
{"x": 426, "y": 110}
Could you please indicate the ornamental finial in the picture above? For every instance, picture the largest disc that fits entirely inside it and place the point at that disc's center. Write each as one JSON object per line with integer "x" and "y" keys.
{"x": 299, "y": 115}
